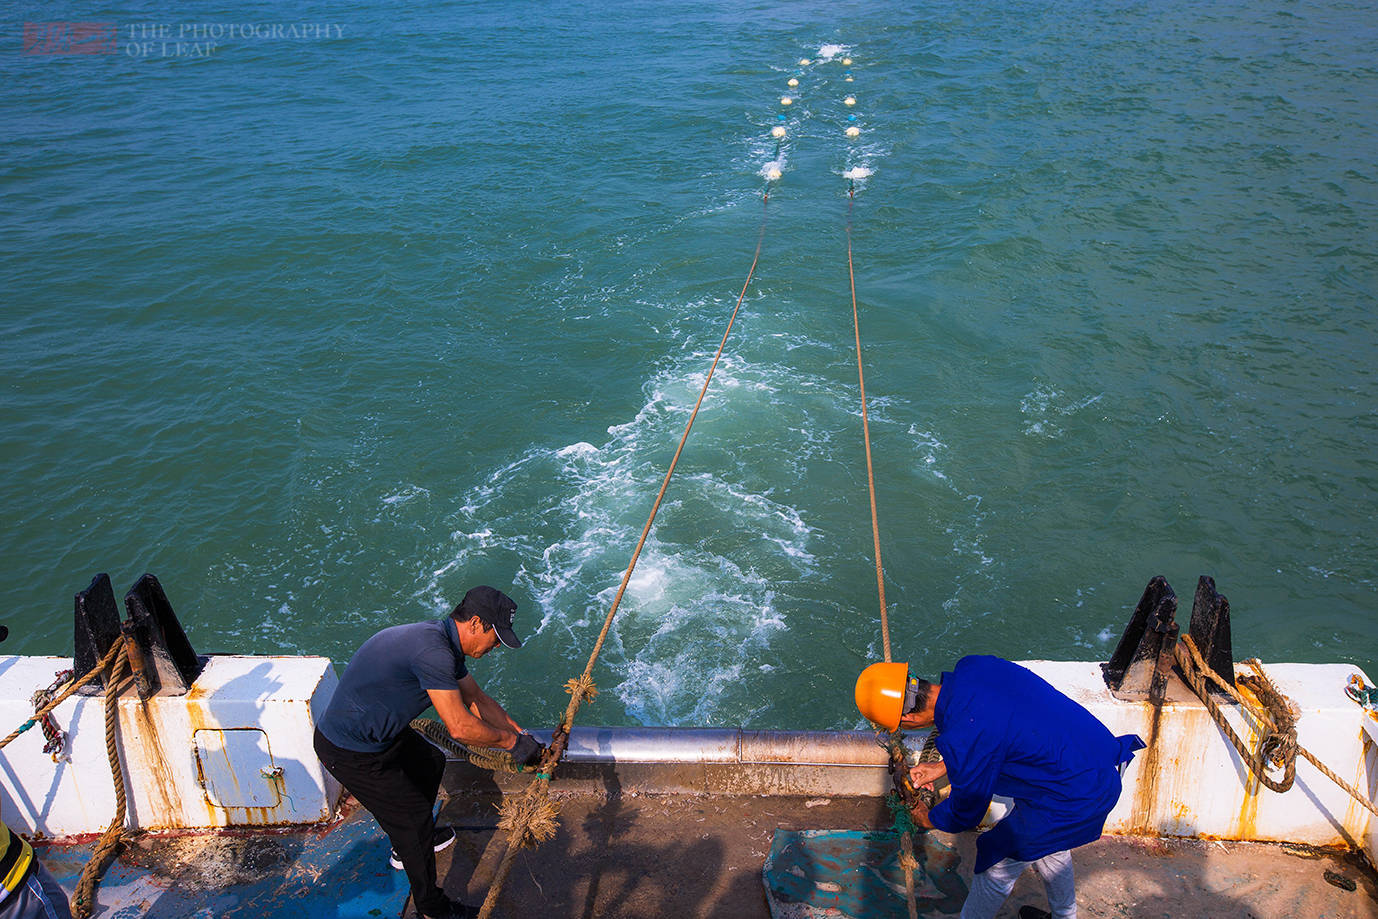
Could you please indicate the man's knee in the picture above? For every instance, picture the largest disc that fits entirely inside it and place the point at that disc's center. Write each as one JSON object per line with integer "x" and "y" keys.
{"x": 991, "y": 888}
{"x": 1060, "y": 883}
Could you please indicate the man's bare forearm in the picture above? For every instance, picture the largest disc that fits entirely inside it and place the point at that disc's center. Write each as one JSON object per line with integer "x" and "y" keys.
{"x": 491, "y": 713}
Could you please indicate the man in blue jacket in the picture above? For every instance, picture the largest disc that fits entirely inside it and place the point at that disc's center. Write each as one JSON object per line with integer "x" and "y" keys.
{"x": 1004, "y": 730}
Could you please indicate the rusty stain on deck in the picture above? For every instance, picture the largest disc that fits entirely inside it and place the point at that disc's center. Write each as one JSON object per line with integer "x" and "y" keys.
{"x": 1142, "y": 814}
{"x": 150, "y": 758}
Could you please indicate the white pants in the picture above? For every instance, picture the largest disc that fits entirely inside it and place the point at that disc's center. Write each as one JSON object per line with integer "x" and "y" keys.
{"x": 990, "y": 888}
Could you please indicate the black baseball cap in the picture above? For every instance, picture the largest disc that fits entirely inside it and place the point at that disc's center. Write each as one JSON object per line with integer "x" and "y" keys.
{"x": 493, "y": 607}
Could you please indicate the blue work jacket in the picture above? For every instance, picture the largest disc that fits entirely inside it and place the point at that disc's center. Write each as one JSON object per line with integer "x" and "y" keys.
{"x": 1003, "y": 730}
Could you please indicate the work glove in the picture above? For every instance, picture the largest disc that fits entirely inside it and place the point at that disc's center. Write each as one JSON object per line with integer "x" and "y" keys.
{"x": 527, "y": 750}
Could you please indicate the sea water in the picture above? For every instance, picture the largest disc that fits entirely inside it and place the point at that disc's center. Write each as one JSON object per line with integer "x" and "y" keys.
{"x": 324, "y": 313}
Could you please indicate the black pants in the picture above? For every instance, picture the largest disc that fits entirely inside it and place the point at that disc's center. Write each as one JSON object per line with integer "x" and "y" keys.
{"x": 398, "y": 787}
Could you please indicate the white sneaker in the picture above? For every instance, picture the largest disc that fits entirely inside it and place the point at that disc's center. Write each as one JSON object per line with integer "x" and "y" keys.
{"x": 441, "y": 839}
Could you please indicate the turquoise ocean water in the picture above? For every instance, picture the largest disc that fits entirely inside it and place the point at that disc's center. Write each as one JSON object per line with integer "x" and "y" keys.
{"x": 324, "y": 313}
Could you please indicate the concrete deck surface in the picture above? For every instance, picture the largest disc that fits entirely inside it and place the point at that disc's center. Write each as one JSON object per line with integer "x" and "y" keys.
{"x": 641, "y": 856}
{"x": 682, "y": 856}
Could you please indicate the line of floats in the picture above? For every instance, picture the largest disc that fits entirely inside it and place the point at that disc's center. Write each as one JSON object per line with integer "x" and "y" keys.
{"x": 772, "y": 170}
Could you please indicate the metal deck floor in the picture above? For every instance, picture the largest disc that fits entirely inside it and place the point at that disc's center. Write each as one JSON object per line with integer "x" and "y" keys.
{"x": 682, "y": 856}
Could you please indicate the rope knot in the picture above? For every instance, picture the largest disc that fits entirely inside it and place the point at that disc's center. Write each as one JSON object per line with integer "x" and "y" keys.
{"x": 582, "y": 688}
{"x": 1279, "y": 742}
{"x": 529, "y": 817}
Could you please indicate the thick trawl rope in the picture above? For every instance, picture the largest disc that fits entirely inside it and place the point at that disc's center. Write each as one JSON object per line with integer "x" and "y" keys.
{"x": 529, "y": 817}
{"x": 866, "y": 439}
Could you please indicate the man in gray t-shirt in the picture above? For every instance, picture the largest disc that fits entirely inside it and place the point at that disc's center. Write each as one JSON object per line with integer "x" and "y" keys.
{"x": 365, "y": 740}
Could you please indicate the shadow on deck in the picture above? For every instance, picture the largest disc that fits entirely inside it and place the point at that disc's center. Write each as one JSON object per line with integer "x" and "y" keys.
{"x": 640, "y": 855}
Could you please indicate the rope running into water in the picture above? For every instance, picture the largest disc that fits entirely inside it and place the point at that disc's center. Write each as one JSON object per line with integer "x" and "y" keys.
{"x": 908, "y": 864}
{"x": 531, "y": 817}
{"x": 1276, "y": 725}
{"x": 866, "y": 437}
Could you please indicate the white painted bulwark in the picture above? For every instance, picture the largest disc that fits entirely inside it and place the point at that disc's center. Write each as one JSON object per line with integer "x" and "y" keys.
{"x": 1371, "y": 757}
{"x": 234, "y": 751}
{"x": 1191, "y": 782}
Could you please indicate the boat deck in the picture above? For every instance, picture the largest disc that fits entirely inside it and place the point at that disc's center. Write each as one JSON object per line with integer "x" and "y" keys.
{"x": 643, "y": 855}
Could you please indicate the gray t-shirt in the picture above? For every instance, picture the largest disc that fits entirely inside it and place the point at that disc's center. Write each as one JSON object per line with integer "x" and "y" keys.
{"x": 384, "y": 686}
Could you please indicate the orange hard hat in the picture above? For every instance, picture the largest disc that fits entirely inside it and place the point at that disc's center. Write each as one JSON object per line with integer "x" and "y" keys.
{"x": 880, "y": 693}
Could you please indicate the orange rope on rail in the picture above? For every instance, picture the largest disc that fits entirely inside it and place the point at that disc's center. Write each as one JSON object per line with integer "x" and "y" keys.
{"x": 532, "y": 816}
{"x": 866, "y": 436}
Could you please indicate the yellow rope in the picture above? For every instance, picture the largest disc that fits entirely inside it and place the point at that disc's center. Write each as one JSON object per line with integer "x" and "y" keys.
{"x": 113, "y": 665}
{"x": 1195, "y": 670}
{"x": 84, "y": 901}
{"x": 1330, "y": 774}
{"x": 94, "y": 672}
{"x": 1277, "y": 726}
{"x": 866, "y": 438}
{"x": 908, "y": 864}
{"x": 526, "y": 815}
{"x": 1268, "y": 690}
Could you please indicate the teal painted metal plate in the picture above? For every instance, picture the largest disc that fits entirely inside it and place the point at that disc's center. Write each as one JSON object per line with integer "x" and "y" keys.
{"x": 342, "y": 873}
{"x": 812, "y": 874}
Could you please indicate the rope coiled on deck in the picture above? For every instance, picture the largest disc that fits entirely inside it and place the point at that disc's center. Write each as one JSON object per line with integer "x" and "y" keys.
{"x": 1275, "y": 724}
{"x": 1273, "y": 717}
{"x": 116, "y": 666}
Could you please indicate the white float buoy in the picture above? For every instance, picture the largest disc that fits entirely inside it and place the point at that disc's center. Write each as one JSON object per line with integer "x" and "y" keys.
{"x": 777, "y": 131}
{"x": 850, "y": 100}
{"x": 793, "y": 82}
{"x": 786, "y": 100}
{"x": 853, "y": 131}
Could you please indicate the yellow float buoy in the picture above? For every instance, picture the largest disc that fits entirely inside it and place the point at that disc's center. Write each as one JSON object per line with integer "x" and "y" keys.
{"x": 850, "y": 100}
{"x": 793, "y": 81}
{"x": 846, "y": 62}
{"x": 786, "y": 100}
{"x": 773, "y": 173}
{"x": 777, "y": 131}
{"x": 853, "y": 131}
{"x": 804, "y": 62}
